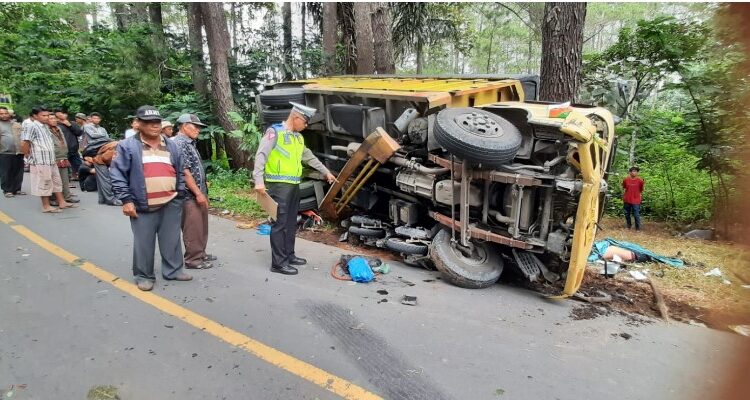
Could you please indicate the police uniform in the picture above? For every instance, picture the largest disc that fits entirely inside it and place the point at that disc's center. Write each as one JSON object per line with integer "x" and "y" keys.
{"x": 278, "y": 163}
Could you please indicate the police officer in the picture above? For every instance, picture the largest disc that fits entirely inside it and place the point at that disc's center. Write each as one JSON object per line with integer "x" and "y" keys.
{"x": 278, "y": 169}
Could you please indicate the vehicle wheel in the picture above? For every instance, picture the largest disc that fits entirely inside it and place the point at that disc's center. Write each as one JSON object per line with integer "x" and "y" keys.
{"x": 306, "y": 189}
{"x": 271, "y": 116}
{"x": 401, "y": 246}
{"x": 282, "y": 97}
{"x": 480, "y": 270}
{"x": 367, "y": 232}
{"x": 308, "y": 203}
{"x": 478, "y": 136}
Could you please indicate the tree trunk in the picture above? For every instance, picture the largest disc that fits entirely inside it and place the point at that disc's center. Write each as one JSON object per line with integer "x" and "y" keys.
{"x": 419, "y": 50}
{"x": 633, "y": 142}
{"x": 348, "y": 41}
{"x": 195, "y": 36}
{"x": 139, "y": 13}
{"x": 562, "y": 43}
{"x": 159, "y": 40}
{"x": 217, "y": 35}
{"x": 382, "y": 35}
{"x": 363, "y": 39}
{"x": 330, "y": 37}
{"x": 234, "y": 30}
{"x": 286, "y": 11}
{"x": 303, "y": 44}
{"x": 120, "y": 14}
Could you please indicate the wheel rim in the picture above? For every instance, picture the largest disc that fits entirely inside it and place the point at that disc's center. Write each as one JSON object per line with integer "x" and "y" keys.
{"x": 478, "y": 124}
{"x": 477, "y": 258}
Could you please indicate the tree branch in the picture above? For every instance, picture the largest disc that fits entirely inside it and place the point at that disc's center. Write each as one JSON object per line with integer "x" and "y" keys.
{"x": 601, "y": 28}
{"x": 516, "y": 14}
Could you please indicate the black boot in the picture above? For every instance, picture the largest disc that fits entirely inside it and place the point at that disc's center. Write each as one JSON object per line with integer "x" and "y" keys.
{"x": 286, "y": 270}
{"x": 297, "y": 261}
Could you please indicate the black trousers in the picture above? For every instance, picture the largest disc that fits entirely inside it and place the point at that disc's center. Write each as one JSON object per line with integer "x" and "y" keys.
{"x": 284, "y": 229}
{"x": 11, "y": 172}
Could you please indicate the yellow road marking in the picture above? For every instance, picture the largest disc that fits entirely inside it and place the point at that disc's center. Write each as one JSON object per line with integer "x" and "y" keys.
{"x": 326, "y": 380}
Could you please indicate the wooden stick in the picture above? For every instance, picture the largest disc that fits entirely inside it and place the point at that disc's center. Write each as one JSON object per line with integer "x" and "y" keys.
{"x": 660, "y": 304}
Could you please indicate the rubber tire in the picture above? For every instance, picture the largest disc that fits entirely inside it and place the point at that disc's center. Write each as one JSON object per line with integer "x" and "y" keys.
{"x": 282, "y": 97}
{"x": 367, "y": 232}
{"x": 490, "y": 151}
{"x": 271, "y": 116}
{"x": 400, "y": 246}
{"x": 308, "y": 203}
{"x": 306, "y": 189}
{"x": 459, "y": 273}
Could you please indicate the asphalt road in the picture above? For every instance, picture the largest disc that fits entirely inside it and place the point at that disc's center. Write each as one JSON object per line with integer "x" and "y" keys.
{"x": 64, "y": 331}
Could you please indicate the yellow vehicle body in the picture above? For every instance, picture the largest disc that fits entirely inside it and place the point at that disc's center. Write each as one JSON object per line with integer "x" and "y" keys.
{"x": 594, "y": 143}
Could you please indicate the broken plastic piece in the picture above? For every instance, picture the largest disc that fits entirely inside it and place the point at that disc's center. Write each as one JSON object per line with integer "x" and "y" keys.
{"x": 409, "y": 300}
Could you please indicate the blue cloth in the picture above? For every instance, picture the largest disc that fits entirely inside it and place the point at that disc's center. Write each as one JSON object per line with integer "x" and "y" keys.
{"x": 600, "y": 247}
{"x": 635, "y": 209}
{"x": 126, "y": 172}
{"x": 360, "y": 270}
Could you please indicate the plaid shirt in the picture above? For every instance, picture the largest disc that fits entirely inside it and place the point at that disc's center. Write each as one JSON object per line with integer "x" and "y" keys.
{"x": 192, "y": 161}
{"x": 42, "y": 146}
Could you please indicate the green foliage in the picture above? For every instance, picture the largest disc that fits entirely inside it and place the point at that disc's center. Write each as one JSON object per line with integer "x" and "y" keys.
{"x": 676, "y": 190}
{"x": 233, "y": 187}
{"x": 247, "y": 132}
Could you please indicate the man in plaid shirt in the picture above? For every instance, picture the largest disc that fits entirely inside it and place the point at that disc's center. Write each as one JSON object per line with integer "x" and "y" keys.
{"x": 39, "y": 148}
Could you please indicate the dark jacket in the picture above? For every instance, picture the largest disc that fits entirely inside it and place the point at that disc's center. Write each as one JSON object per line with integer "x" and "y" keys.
{"x": 126, "y": 172}
{"x": 71, "y": 134}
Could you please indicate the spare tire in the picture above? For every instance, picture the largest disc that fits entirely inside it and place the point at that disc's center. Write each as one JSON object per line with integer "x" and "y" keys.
{"x": 401, "y": 246}
{"x": 282, "y": 97}
{"x": 271, "y": 116}
{"x": 308, "y": 203}
{"x": 477, "y": 136}
{"x": 482, "y": 269}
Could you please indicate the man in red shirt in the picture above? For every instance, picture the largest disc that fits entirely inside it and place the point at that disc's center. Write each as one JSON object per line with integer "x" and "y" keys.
{"x": 633, "y": 186}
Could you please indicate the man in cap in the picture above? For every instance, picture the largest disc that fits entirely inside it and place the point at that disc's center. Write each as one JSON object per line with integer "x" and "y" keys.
{"x": 147, "y": 177}
{"x": 278, "y": 164}
{"x": 195, "y": 207}
{"x": 167, "y": 129}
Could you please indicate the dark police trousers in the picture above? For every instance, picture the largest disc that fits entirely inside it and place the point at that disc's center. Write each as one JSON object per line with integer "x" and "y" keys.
{"x": 284, "y": 229}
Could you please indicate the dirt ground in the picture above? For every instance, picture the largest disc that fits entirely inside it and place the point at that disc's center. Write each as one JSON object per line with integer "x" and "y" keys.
{"x": 690, "y": 296}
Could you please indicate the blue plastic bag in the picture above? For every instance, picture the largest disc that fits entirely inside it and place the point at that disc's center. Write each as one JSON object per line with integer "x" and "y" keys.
{"x": 359, "y": 270}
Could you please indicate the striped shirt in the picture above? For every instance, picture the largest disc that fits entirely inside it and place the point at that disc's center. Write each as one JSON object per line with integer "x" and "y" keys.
{"x": 42, "y": 146}
{"x": 160, "y": 175}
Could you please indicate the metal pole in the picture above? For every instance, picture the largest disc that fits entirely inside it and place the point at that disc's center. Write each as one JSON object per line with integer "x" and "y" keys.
{"x": 465, "y": 179}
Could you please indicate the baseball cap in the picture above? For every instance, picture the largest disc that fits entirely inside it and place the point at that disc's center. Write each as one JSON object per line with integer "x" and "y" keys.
{"x": 165, "y": 124}
{"x": 148, "y": 113}
{"x": 81, "y": 115}
{"x": 190, "y": 119}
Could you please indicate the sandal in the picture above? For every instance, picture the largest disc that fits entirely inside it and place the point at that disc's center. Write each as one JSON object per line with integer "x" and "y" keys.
{"x": 203, "y": 265}
{"x": 70, "y": 205}
{"x": 20, "y": 193}
{"x": 52, "y": 211}
{"x": 9, "y": 195}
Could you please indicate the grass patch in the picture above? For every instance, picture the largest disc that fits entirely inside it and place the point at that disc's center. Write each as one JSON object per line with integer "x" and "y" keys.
{"x": 236, "y": 192}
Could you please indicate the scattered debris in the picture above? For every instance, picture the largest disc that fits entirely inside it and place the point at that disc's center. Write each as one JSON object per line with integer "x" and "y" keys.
{"x": 409, "y": 300}
{"x": 359, "y": 326}
{"x": 405, "y": 282}
{"x": 103, "y": 393}
{"x": 702, "y": 234}
{"x": 382, "y": 301}
{"x": 626, "y": 336}
{"x": 225, "y": 212}
{"x": 499, "y": 392}
{"x": 638, "y": 275}
{"x": 169, "y": 326}
{"x": 602, "y": 298}
{"x": 344, "y": 237}
{"x": 713, "y": 272}
{"x": 243, "y": 225}
{"x": 743, "y": 330}
{"x": 383, "y": 292}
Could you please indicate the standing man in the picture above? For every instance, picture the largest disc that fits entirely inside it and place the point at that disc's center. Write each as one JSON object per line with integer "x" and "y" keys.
{"x": 195, "y": 208}
{"x": 147, "y": 176}
{"x": 633, "y": 186}
{"x": 167, "y": 129}
{"x": 94, "y": 132}
{"x": 71, "y": 131}
{"x": 278, "y": 163}
{"x": 11, "y": 156}
{"x": 61, "y": 157}
{"x": 39, "y": 147}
